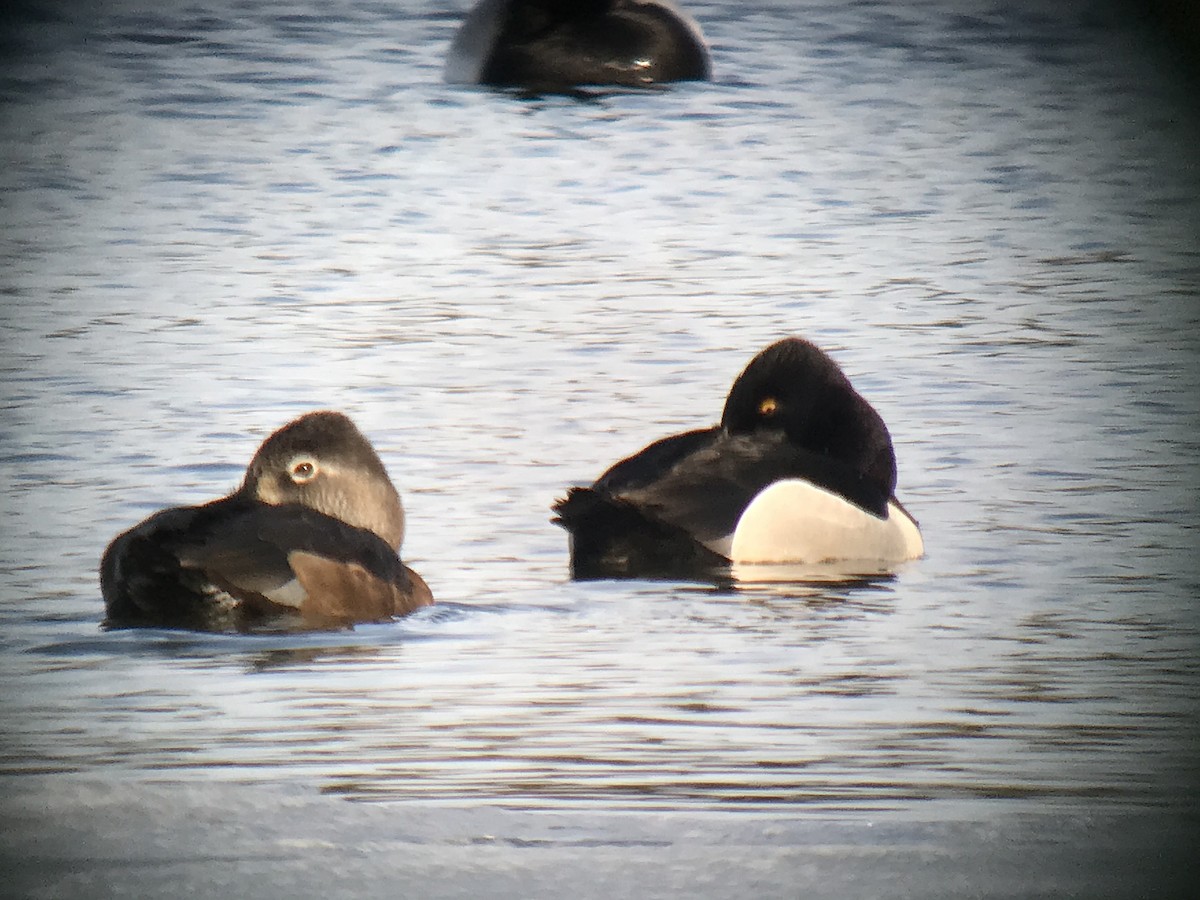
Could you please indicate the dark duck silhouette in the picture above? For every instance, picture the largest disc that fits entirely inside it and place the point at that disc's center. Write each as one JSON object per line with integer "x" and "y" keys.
{"x": 561, "y": 44}
{"x": 310, "y": 539}
{"x": 800, "y": 470}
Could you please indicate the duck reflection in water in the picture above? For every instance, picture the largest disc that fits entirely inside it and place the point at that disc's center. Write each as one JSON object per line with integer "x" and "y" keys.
{"x": 309, "y": 540}
{"x": 799, "y": 474}
{"x": 560, "y": 44}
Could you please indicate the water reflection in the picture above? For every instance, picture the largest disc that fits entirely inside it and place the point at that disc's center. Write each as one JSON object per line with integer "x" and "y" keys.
{"x": 801, "y": 578}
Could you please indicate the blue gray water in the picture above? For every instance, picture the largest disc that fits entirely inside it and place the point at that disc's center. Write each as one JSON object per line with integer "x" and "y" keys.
{"x": 215, "y": 218}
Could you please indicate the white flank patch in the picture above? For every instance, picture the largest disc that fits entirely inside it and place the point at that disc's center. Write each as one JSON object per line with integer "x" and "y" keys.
{"x": 473, "y": 43}
{"x": 794, "y": 521}
{"x": 290, "y": 593}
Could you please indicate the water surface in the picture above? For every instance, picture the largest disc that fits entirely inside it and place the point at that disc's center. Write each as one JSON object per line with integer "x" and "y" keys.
{"x": 215, "y": 219}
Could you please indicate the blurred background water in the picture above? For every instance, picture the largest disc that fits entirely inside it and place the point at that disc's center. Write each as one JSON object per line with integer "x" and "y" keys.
{"x": 217, "y": 216}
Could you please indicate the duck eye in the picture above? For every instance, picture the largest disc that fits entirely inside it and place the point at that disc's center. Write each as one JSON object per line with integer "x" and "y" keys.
{"x": 303, "y": 471}
{"x": 768, "y": 406}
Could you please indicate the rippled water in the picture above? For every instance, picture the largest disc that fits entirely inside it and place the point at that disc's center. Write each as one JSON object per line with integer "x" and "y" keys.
{"x": 216, "y": 218}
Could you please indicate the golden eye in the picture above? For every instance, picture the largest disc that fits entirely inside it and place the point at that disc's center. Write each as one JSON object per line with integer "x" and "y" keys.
{"x": 303, "y": 471}
{"x": 768, "y": 406}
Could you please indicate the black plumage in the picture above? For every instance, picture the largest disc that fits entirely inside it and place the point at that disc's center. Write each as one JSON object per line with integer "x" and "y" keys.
{"x": 791, "y": 414}
{"x": 558, "y": 44}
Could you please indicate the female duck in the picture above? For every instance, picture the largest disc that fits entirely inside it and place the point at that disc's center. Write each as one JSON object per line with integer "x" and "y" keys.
{"x": 312, "y": 533}
{"x": 557, "y": 44}
{"x": 800, "y": 470}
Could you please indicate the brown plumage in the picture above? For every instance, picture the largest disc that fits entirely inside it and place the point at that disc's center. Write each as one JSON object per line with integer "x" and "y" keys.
{"x": 310, "y": 539}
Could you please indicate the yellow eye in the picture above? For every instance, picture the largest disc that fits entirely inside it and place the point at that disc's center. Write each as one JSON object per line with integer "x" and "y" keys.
{"x": 768, "y": 406}
{"x": 303, "y": 471}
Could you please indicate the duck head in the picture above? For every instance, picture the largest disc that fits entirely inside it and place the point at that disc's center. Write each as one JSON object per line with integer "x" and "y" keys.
{"x": 322, "y": 461}
{"x": 795, "y": 388}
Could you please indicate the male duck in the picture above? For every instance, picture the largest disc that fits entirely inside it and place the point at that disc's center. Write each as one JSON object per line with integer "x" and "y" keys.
{"x": 312, "y": 533}
{"x": 800, "y": 470}
{"x": 557, "y": 44}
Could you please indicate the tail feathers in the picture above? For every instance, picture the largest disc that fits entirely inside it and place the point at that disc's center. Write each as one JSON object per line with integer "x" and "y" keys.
{"x": 614, "y": 539}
